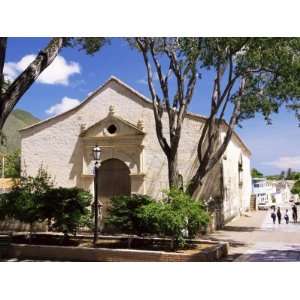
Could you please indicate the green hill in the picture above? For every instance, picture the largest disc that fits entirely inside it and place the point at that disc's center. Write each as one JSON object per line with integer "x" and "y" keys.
{"x": 17, "y": 120}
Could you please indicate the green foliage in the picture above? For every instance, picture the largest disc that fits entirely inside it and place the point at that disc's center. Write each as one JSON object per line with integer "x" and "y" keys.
{"x": 296, "y": 188}
{"x": 123, "y": 213}
{"x": 34, "y": 199}
{"x": 289, "y": 175}
{"x": 175, "y": 216}
{"x": 90, "y": 45}
{"x": 12, "y": 165}
{"x": 22, "y": 203}
{"x": 270, "y": 67}
{"x": 66, "y": 209}
{"x": 256, "y": 174}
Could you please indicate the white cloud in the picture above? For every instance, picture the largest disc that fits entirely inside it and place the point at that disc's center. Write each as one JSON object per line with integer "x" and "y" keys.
{"x": 145, "y": 81}
{"x": 65, "y": 104}
{"x": 285, "y": 162}
{"x": 142, "y": 81}
{"x": 57, "y": 73}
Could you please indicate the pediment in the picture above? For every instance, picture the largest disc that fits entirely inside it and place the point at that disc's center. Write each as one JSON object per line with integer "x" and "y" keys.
{"x": 113, "y": 126}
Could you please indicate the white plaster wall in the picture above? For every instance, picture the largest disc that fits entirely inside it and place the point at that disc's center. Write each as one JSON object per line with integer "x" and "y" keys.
{"x": 237, "y": 197}
{"x": 56, "y": 145}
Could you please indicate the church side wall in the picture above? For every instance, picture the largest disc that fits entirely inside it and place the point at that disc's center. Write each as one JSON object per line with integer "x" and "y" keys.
{"x": 56, "y": 145}
{"x": 237, "y": 187}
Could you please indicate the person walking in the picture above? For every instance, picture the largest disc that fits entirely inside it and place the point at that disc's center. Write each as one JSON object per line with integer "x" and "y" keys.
{"x": 286, "y": 216}
{"x": 279, "y": 215}
{"x": 295, "y": 213}
{"x": 273, "y": 216}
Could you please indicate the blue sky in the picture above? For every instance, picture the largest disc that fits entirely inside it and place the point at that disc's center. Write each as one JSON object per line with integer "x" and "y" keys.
{"x": 274, "y": 147}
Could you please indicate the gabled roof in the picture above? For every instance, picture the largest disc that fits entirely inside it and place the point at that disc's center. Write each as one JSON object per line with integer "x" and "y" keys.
{"x": 113, "y": 117}
{"x": 139, "y": 95}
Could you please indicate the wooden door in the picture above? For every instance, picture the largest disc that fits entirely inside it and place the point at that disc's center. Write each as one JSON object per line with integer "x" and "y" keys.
{"x": 114, "y": 180}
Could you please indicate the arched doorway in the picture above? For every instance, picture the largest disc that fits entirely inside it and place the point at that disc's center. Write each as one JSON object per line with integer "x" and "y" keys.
{"x": 114, "y": 180}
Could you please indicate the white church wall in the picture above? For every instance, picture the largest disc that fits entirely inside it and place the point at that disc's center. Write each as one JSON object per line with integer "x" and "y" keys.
{"x": 56, "y": 145}
{"x": 237, "y": 187}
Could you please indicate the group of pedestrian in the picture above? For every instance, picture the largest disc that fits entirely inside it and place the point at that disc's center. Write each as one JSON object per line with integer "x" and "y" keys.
{"x": 277, "y": 214}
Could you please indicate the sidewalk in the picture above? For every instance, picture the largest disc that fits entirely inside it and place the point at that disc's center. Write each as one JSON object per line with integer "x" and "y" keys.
{"x": 256, "y": 238}
{"x": 241, "y": 233}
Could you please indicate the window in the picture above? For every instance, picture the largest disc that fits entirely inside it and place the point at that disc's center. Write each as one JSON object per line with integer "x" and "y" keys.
{"x": 112, "y": 129}
{"x": 240, "y": 170}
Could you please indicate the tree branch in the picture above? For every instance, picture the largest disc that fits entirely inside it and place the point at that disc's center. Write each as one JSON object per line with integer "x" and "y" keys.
{"x": 3, "y": 43}
{"x": 22, "y": 83}
{"x": 156, "y": 103}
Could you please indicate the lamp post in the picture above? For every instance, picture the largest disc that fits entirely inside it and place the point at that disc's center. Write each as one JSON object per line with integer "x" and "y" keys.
{"x": 96, "y": 155}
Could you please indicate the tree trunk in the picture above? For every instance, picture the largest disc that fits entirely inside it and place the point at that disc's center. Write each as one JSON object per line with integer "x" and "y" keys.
{"x": 195, "y": 182}
{"x": 175, "y": 179}
{"x": 3, "y": 43}
{"x": 23, "y": 82}
{"x": 172, "y": 172}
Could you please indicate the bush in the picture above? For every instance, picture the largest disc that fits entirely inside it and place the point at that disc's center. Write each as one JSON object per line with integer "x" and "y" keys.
{"x": 123, "y": 213}
{"x": 33, "y": 199}
{"x": 296, "y": 188}
{"x": 12, "y": 168}
{"x": 22, "y": 203}
{"x": 66, "y": 209}
{"x": 177, "y": 216}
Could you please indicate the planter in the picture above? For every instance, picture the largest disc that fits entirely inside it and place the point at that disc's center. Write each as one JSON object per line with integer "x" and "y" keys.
{"x": 66, "y": 253}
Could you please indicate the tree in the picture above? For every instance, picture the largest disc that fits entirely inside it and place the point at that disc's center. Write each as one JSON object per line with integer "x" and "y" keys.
{"x": 251, "y": 75}
{"x": 12, "y": 165}
{"x": 11, "y": 93}
{"x": 296, "y": 188}
{"x": 184, "y": 70}
{"x": 256, "y": 174}
{"x": 289, "y": 174}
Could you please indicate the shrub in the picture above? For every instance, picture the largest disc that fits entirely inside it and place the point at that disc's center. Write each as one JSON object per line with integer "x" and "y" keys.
{"x": 123, "y": 213}
{"x": 296, "y": 188}
{"x": 178, "y": 215}
{"x": 66, "y": 209}
{"x": 13, "y": 165}
{"x": 22, "y": 202}
{"x": 34, "y": 199}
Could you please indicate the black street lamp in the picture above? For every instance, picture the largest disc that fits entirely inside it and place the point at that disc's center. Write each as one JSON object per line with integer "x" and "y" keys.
{"x": 96, "y": 155}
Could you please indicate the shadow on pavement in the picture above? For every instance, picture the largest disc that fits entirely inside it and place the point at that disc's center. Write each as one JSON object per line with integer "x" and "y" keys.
{"x": 274, "y": 256}
{"x": 232, "y": 243}
{"x": 240, "y": 228}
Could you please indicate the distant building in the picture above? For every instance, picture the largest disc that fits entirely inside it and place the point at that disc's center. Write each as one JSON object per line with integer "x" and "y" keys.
{"x": 283, "y": 191}
{"x": 263, "y": 191}
{"x": 268, "y": 192}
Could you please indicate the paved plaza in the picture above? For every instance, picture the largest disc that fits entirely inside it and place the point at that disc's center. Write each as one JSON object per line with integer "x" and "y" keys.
{"x": 255, "y": 238}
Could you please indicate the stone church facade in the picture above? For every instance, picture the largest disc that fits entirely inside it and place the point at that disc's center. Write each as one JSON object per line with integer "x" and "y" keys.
{"x": 121, "y": 122}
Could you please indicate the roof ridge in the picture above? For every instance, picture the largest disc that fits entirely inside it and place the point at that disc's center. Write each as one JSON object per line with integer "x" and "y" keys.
{"x": 141, "y": 96}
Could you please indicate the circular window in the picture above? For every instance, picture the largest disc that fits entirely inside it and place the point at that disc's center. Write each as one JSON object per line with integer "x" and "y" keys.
{"x": 112, "y": 129}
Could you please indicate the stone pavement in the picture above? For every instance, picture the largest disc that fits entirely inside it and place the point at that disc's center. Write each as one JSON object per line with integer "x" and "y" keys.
{"x": 256, "y": 238}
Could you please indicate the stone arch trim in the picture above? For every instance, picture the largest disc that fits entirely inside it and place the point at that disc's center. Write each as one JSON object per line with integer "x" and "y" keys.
{"x": 126, "y": 158}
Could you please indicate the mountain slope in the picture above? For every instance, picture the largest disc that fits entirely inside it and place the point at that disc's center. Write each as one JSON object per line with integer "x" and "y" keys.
{"x": 17, "y": 120}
